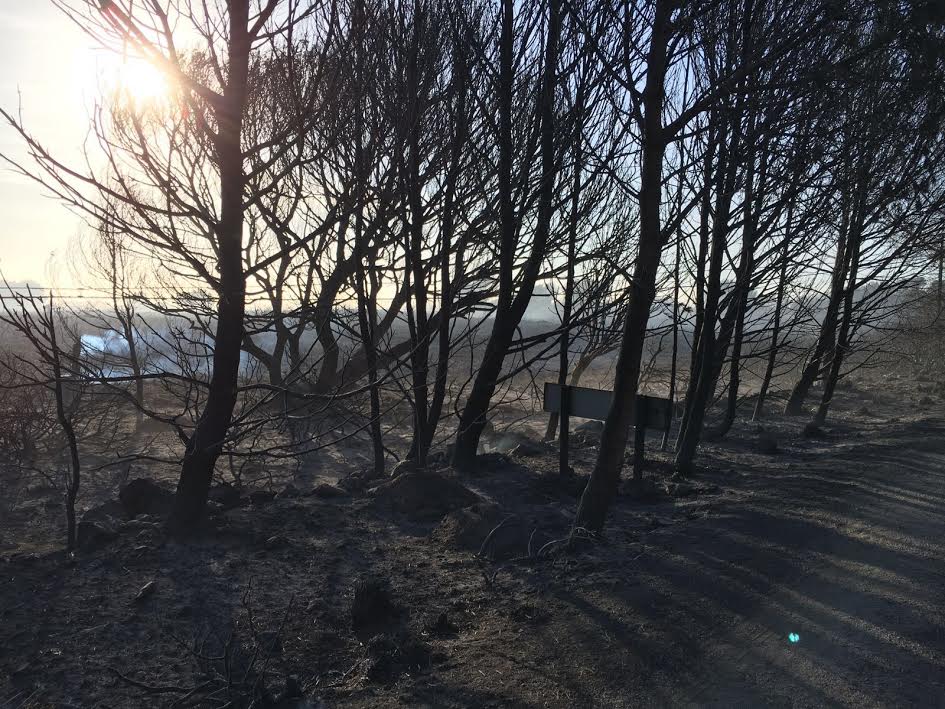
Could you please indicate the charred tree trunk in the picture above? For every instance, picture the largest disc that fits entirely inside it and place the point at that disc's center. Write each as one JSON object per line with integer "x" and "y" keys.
{"x": 65, "y": 422}
{"x": 366, "y": 322}
{"x": 941, "y": 273}
{"x": 565, "y": 340}
{"x": 370, "y": 351}
{"x": 664, "y": 444}
{"x": 367, "y": 302}
{"x": 206, "y": 442}
{"x": 707, "y": 358}
{"x": 330, "y": 356}
{"x": 826, "y": 339}
{"x": 702, "y": 256}
{"x": 776, "y": 324}
{"x": 447, "y": 227}
{"x": 136, "y": 372}
{"x": 124, "y": 313}
{"x": 271, "y": 361}
{"x": 472, "y": 420}
{"x": 294, "y": 351}
{"x": 126, "y": 320}
{"x": 511, "y": 307}
{"x": 752, "y": 214}
{"x": 420, "y": 352}
{"x": 843, "y": 334}
{"x": 601, "y": 488}
{"x": 702, "y": 252}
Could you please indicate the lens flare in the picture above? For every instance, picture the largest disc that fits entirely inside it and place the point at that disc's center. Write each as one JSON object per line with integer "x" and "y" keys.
{"x": 130, "y": 79}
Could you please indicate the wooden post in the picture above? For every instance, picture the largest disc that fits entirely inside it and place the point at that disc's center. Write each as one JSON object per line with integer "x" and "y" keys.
{"x": 639, "y": 438}
{"x": 564, "y": 468}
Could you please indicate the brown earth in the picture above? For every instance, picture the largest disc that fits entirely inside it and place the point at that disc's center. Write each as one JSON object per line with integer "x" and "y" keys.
{"x": 475, "y": 602}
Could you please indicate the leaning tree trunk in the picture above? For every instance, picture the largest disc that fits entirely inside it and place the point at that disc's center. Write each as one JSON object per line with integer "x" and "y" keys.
{"x": 206, "y": 442}
{"x": 367, "y": 320}
{"x": 843, "y": 336}
{"x": 564, "y": 343}
{"x": 601, "y": 487}
{"x": 734, "y": 380}
{"x": 420, "y": 352}
{"x": 509, "y": 309}
{"x": 472, "y": 420}
{"x": 367, "y": 302}
{"x": 743, "y": 286}
{"x": 702, "y": 257}
{"x": 702, "y": 252}
{"x": 941, "y": 273}
{"x": 327, "y": 378}
{"x": 776, "y": 324}
{"x": 447, "y": 227}
{"x": 826, "y": 339}
{"x": 675, "y": 354}
{"x": 704, "y": 375}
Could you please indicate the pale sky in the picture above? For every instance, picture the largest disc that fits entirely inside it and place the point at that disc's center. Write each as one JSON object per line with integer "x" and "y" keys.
{"x": 52, "y": 65}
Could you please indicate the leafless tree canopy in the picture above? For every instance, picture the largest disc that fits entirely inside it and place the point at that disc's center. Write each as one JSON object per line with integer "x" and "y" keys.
{"x": 385, "y": 222}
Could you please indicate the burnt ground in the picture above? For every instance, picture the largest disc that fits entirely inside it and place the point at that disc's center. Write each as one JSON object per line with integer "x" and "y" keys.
{"x": 688, "y": 601}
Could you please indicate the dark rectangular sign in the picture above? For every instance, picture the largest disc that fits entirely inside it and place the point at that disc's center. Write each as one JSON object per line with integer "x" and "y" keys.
{"x": 595, "y": 403}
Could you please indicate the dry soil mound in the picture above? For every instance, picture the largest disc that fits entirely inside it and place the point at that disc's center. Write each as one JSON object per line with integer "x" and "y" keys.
{"x": 425, "y": 496}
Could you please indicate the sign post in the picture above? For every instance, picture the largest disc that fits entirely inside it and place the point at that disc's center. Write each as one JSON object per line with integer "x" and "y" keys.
{"x": 639, "y": 437}
{"x": 564, "y": 467}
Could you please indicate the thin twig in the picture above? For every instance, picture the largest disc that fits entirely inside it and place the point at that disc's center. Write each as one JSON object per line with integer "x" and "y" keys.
{"x": 151, "y": 688}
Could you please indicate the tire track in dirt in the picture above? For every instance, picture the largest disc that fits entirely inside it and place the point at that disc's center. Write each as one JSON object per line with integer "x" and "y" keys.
{"x": 868, "y": 609}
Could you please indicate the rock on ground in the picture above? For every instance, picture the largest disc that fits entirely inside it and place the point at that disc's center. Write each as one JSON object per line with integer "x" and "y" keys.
{"x": 145, "y": 496}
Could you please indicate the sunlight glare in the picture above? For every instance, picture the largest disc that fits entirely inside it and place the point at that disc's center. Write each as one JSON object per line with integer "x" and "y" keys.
{"x": 131, "y": 79}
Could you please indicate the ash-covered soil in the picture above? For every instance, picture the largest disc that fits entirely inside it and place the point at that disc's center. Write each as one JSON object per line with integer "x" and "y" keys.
{"x": 437, "y": 589}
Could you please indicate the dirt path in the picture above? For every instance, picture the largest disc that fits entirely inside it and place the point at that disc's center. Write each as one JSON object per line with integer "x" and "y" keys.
{"x": 688, "y": 602}
{"x": 856, "y": 570}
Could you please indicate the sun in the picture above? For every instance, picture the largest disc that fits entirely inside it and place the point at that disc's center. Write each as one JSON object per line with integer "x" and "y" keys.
{"x": 131, "y": 80}
{"x": 141, "y": 81}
